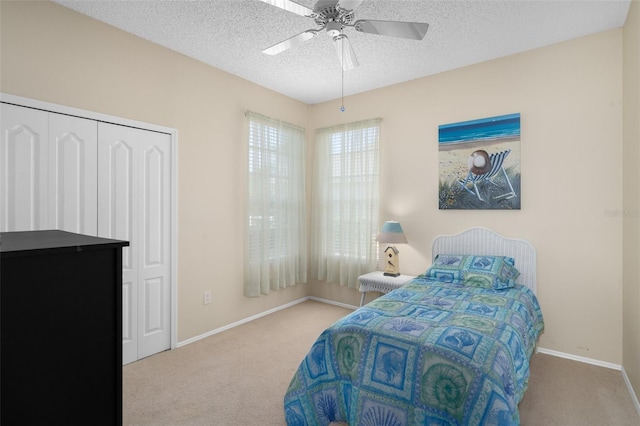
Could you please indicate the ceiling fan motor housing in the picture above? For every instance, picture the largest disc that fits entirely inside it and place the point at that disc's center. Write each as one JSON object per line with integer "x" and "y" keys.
{"x": 329, "y": 16}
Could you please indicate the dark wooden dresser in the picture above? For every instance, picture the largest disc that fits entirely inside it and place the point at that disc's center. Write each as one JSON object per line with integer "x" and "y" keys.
{"x": 61, "y": 329}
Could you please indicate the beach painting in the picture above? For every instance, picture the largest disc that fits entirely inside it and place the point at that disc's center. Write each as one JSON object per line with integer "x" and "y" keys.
{"x": 479, "y": 164}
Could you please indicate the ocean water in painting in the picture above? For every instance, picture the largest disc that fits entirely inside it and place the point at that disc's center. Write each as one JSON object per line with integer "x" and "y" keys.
{"x": 485, "y": 129}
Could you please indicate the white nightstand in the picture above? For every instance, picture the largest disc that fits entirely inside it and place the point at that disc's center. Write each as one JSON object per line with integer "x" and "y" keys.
{"x": 377, "y": 281}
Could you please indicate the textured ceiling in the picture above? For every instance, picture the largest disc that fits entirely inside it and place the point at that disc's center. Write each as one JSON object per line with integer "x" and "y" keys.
{"x": 231, "y": 34}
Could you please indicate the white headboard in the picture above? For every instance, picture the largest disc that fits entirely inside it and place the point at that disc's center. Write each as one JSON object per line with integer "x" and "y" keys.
{"x": 483, "y": 241}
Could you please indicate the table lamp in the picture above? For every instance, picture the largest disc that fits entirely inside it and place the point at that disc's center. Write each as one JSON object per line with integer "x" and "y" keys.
{"x": 391, "y": 233}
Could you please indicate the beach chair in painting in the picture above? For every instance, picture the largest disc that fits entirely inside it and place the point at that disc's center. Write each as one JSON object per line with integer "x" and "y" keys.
{"x": 496, "y": 168}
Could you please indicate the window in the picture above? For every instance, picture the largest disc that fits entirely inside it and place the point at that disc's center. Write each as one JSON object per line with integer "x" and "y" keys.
{"x": 276, "y": 254}
{"x": 345, "y": 202}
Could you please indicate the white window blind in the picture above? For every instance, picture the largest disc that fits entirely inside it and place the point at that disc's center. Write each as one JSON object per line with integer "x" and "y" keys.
{"x": 345, "y": 202}
{"x": 276, "y": 254}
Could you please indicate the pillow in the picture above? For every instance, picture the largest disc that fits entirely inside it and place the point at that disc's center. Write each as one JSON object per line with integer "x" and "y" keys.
{"x": 494, "y": 272}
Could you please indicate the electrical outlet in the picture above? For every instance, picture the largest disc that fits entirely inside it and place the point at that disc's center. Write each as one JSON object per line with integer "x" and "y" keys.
{"x": 207, "y": 297}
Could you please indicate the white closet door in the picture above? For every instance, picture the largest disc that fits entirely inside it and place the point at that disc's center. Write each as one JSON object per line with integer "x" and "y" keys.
{"x": 73, "y": 174}
{"x": 154, "y": 314}
{"x": 24, "y": 152}
{"x": 117, "y": 190}
{"x": 134, "y": 199}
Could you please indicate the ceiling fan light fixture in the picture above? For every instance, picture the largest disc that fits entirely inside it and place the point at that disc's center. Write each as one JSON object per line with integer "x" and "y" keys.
{"x": 333, "y": 28}
{"x": 345, "y": 52}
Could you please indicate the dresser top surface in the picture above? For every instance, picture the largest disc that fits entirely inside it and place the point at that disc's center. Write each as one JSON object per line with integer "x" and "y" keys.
{"x": 13, "y": 242}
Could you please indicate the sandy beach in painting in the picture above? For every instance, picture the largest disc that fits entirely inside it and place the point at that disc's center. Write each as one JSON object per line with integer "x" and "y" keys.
{"x": 453, "y": 156}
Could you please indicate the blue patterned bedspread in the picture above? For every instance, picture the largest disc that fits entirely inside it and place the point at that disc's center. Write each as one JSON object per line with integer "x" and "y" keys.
{"x": 428, "y": 353}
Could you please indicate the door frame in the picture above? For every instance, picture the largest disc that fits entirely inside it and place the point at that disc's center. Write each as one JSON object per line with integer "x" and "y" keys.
{"x": 173, "y": 133}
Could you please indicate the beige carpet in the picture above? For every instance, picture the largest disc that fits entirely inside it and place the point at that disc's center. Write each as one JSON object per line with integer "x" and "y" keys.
{"x": 239, "y": 377}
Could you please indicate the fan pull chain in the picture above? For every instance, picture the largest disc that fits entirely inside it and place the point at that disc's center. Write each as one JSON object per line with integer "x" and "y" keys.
{"x": 342, "y": 106}
{"x": 342, "y": 109}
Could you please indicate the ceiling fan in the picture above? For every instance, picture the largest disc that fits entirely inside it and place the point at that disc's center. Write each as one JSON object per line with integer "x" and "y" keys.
{"x": 333, "y": 16}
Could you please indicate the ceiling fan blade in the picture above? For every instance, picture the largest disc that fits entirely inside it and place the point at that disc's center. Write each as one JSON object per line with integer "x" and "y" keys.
{"x": 411, "y": 30}
{"x": 290, "y": 6}
{"x": 345, "y": 52}
{"x": 348, "y": 4}
{"x": 291, "y": 42}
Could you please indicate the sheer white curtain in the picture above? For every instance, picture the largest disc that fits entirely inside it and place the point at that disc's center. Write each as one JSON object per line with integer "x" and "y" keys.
{"x": 275, "y": 236}
{"x": 345, "y": 202}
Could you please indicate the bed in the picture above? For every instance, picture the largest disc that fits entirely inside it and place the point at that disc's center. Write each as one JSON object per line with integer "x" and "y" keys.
{"x": 451, "y": 347}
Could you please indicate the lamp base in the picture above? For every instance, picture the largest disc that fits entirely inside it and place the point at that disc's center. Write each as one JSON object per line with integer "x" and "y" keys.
{"x": 389, "y": 274}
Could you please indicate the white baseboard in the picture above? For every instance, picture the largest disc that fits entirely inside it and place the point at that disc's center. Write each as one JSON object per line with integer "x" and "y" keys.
{"x": 579, "y": 358}
{"x": 242, "y": 321}
{"x": 260, "y": 315}
{"x": 331, "y": 302}
{"x": 631, "y": 391}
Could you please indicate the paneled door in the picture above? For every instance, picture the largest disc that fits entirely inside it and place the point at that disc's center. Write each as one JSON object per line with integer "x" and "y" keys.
{"x": 134, "y": 204}
{"x": 24, "y": 156}
{"x": 73, "y": 174}
{"x": 48, "y": 171}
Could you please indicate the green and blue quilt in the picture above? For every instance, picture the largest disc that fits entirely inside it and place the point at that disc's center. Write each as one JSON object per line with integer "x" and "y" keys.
{"x": 428, "y": 353}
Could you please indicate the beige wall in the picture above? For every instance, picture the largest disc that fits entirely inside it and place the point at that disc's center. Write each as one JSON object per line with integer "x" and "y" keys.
{"x": 569, "y": 96}
{"x": 570, "y": 99}
{"x": 631, "y": 227}
{"x": 52, "y": 54}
